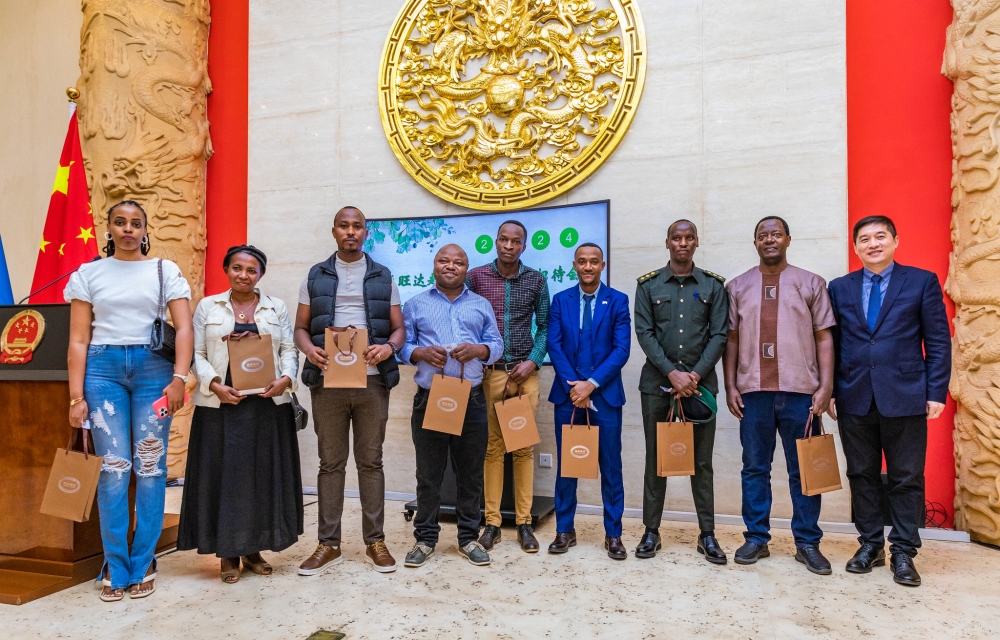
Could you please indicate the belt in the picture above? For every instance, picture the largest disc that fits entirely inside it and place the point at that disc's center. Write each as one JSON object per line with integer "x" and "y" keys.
{"x": 505, "y": 366}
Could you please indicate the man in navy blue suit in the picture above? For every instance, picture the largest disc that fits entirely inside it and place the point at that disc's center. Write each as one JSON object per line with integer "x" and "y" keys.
{"x": 893, "y": 363}
{"x": 590, "y": 336}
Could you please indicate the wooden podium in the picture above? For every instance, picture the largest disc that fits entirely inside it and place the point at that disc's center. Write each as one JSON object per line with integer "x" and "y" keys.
{"x": 41, "y": 554}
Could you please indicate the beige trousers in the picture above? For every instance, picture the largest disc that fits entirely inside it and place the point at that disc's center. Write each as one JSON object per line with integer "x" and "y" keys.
{"x": 524, "y": 459}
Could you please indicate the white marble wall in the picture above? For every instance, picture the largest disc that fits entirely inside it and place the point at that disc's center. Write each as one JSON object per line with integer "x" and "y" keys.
{"x": 743, "y": 115}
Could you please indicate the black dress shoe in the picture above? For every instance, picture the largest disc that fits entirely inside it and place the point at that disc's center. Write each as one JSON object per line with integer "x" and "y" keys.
{"x": 709, "y": 547}
{"x": 750, "y": 553}
{"x": 526, "y": 538}
{"x": 563, "y": 542}
{"x": 491, "y": 536}
{"x": 813, "y": 559}
{"x": 866, "y": 557}
{"x": 903, "y": 570}
{"x": 616, "y": 550}
{"x": 648, "y": 546}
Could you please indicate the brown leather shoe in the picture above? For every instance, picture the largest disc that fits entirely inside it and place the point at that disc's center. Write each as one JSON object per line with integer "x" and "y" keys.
{"x": 563, "y": 542}
{"x": 526, "y": 538}
{"x": 321, "y": 559}
{"x": 616, "y": 550}
{"x": 491, "y": 536}
{"x": 378, "y": 554}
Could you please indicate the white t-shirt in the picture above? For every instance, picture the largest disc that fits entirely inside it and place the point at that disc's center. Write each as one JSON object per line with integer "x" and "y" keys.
{"x": 124, "y": 295}
{"x": 350, "y": 308}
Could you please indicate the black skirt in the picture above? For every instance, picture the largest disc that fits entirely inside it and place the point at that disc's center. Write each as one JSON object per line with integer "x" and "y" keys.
{"x": 243, "y": 486}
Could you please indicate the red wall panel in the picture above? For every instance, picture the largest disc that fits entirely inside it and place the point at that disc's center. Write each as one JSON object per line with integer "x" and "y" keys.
{"x": 228, "y": 114}
{"x": 899, "y": 156}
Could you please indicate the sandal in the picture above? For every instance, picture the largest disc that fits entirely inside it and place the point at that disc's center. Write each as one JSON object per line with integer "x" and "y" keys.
{"x": 134, "y": 592}
{"x": 230, "y": 576}
{"x": 116, "y": 594}
{"x": 261, "y": 568}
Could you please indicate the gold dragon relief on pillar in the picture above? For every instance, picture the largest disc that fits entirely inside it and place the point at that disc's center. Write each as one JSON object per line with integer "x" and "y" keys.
{"x": 143, "y": 119}
{"x": 497, "y": 103}
{"x": 972, "y": 61}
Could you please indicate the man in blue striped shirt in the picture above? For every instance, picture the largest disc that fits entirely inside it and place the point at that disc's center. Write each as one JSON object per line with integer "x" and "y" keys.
{"x": 449, "y": 327}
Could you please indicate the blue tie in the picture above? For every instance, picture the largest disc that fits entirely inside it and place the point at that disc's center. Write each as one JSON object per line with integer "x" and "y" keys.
{"x": 874, "y": 302}
{"x": 585, "y": 354}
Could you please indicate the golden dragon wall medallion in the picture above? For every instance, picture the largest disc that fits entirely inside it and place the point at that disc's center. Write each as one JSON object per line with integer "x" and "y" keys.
{"x": 492, "y": 104}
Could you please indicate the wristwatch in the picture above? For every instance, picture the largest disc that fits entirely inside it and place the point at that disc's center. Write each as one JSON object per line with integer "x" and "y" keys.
{"x": 392, "y": 345}
{"x": 183, "y": 379}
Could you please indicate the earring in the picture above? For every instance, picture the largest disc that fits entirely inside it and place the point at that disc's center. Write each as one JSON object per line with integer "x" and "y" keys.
{"x": 107, "y": 236}
{"x": 145, "y": 242}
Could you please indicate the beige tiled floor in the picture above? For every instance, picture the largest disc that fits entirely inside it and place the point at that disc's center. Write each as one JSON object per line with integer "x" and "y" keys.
{"x": 580, "y": 595}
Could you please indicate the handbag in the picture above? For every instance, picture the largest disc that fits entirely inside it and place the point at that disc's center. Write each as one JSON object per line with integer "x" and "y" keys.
{"x": 163, "y": 339}
{"x": 301, "y": 415}
{"x": 819, "y": 471}
{"x": 72, "y": 481}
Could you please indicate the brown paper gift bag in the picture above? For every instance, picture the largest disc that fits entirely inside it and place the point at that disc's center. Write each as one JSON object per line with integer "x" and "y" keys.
{"x": 517, "y": 421}
{"x": 251, "y": 362}
{"x": 675, "y": 444}
{"x": 345, "y": 347}
{"x": 578, "y": 455}
{"x": 447, "y": 403}
{"x": 819, "y": 471}
{"x": 72, "y": 482}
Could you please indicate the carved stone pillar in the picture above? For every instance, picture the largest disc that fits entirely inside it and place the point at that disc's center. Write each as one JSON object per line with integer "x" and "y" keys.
{"x": 972, "y": 61}
{"x": 143, "y": 119}
{"x": 144, "y": 131}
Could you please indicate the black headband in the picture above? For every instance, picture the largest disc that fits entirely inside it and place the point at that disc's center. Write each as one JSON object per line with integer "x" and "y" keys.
{"x": 248, "y": 249}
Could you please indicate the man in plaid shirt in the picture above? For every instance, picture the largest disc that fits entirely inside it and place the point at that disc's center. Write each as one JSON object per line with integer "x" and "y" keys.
{"x": 517, "y": 294}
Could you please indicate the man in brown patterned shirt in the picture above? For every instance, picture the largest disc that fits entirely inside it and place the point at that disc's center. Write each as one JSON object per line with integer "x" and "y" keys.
{"x": 778, "y": 369}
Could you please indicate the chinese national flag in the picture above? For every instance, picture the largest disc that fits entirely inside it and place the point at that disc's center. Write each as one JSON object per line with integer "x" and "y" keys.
{"x": 68, "y": 240}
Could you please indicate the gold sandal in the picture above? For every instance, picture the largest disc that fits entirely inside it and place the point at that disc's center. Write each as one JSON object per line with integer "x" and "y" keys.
{"x": 261, "y": 568}
{"x": 231, "y": 576}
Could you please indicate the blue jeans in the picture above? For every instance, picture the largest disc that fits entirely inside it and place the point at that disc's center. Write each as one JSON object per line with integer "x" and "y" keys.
{"x": 764, "y": 414}
{"x": 609, "y": 457}
{"x": 121, "y": 385}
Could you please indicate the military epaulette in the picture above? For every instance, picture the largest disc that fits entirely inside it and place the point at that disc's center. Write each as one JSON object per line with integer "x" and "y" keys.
{"x": 649, "y": 275}
{"x": 715, "y": 275}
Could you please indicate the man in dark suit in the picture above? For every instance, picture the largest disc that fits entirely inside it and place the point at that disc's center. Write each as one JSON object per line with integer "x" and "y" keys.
{"x": 893, "y": 351}
{"x": 590, "y": 336}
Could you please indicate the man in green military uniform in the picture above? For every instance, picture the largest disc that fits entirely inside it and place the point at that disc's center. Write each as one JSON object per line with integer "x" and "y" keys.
{"x": 681, "y": 320}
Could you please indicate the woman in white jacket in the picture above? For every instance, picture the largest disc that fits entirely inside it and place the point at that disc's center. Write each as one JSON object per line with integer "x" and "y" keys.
{"x": 243, "y": 487}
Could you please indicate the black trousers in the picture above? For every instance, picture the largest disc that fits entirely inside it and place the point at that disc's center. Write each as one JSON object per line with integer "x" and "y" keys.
{"x": 468, "y": 455}
{"x": 904, "y": 442}
{"x": 654, "y": 487}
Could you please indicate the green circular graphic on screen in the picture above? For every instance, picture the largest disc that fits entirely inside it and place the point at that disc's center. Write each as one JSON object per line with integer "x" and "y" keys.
{"x": 569, "y": 237}
{"x": 540, "y": 240}
{"x": 484, "y": 244}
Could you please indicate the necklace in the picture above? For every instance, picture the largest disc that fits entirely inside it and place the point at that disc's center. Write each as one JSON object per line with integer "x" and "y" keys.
{"x": 243, "y": 312}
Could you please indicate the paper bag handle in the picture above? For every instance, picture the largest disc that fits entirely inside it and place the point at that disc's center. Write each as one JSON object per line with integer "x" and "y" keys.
{"x": 572, "y": 417}
{"x": 676, "y": 406}
{"x": 86, "y": 439}
{"x": 239, "y": 336}
{"x": 350, "y": 343}
{"x": 461, "y": 375}
{"x": 809, "y": 426}
{"x": 506, "y": 384}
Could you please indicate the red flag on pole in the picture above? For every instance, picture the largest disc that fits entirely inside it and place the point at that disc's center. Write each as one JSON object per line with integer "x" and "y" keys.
{"x": 68, "y": 240}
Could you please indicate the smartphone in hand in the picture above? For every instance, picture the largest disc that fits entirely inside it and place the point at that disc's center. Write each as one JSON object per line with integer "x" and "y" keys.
{"x": 161, "y": 406}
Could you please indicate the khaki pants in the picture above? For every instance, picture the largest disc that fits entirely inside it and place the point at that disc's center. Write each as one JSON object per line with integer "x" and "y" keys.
{"x": 524, "y": 459}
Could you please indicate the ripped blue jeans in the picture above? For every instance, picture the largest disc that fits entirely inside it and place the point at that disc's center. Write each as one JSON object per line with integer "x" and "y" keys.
{"x": 121, "y": 385}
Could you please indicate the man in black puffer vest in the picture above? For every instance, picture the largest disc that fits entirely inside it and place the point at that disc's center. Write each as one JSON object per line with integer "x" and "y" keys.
{"x": 350, "y": 288}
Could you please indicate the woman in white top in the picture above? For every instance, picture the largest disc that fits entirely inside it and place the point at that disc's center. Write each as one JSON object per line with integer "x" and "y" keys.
{"x": 114, "y": 379}
{"x": 243, "y": 486}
